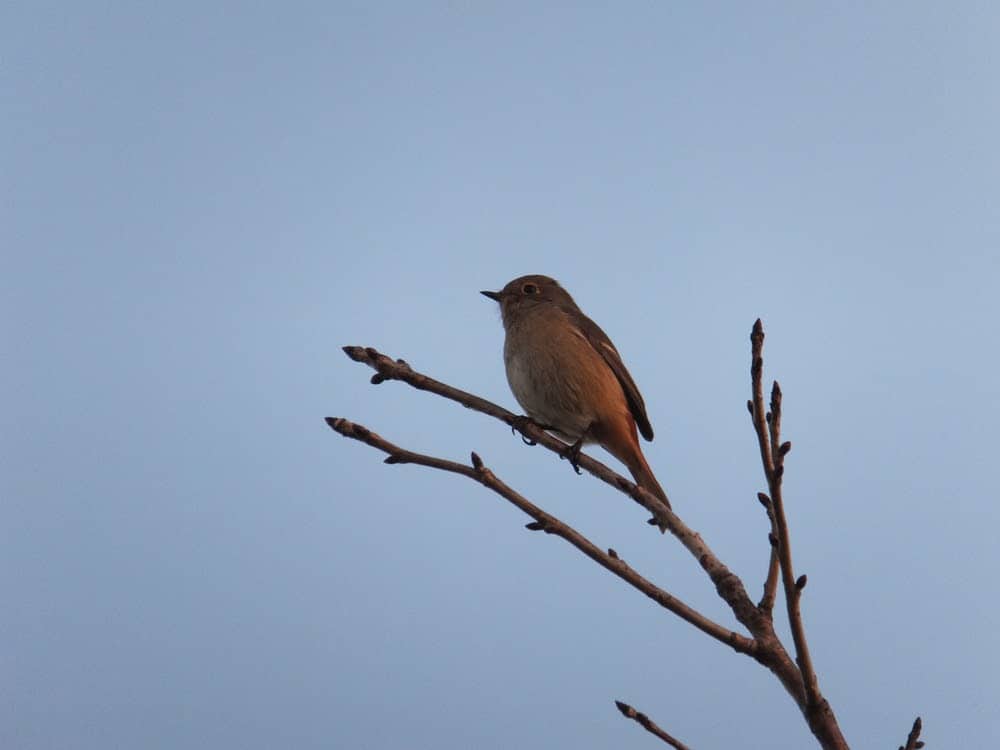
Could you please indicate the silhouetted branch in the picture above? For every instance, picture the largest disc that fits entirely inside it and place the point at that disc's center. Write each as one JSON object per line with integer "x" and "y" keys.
{"x": 913, "y": 738}
{"x": 649, "y": 726}
{"x": 397, "y": 369}
{"x": 727, "y": 584}
{"x": 767, "y": 425}
{"x": 798, "y": 676}
{"x": 549, "y": 524}
{"x": 766, "y": 604}
{"x": 769, "y": 651}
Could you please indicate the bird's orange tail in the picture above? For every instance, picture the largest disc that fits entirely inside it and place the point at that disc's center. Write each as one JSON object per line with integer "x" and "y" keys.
{"x": 645, "y": 478}
{"x": 622, "y": 442}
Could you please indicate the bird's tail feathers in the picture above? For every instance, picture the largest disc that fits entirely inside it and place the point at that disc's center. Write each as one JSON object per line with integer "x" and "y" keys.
{"x": 645, "y": 478}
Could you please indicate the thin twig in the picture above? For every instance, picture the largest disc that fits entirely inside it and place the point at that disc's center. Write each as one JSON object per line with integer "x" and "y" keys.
{"x": 756, "y": 405}
{"x": 770, "y": 651}
{"x": 397, "y": 369}
{"x": 647, "y": 724}
{"x": 817, "y": 710}
{"x": 913, "y": 738}
{"x": 551, "y": 525}
{"x": 761, "y": 427}
{"x": 766, "y": 604}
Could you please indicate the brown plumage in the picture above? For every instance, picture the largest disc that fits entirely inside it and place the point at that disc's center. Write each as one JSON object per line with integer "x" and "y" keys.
{"x": 569, "y": 377}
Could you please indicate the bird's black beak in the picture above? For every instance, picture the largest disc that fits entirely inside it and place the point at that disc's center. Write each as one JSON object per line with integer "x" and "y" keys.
{"x": 492, "y": 295}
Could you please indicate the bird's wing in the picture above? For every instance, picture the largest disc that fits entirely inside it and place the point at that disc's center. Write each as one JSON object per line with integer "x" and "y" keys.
{"x": 602, "y": 344}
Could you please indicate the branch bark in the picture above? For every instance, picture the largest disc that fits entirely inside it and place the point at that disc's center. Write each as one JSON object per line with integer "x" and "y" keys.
{"x": 548, "y": 523}
{"x": 769, "y": 650}
{"x": 913, "y": 738}
{"x": 648, "y": 724}
{"x": 798, "y": 676}
{"x": 818, "y": 712}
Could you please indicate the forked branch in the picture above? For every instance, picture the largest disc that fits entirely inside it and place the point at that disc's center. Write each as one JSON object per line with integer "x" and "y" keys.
{"x": 913, "y": 738}
{"x": 727, "y": 584}
{"x": 798, "y": 676}
{"x": 767, "y": 425}
{"x": 548, "y": 523}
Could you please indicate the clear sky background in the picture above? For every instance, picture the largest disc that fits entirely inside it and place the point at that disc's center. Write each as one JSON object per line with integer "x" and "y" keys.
{"x": 201, "y": 203}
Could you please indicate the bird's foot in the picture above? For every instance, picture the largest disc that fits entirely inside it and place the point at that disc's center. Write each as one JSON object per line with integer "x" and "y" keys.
{"x": 572, "y": 454}
{"x": 518, "y": 424}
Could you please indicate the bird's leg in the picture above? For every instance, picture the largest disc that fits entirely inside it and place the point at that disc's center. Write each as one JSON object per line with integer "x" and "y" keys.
{"x": 572, "y": 452}
{"x": 520, "y": 422}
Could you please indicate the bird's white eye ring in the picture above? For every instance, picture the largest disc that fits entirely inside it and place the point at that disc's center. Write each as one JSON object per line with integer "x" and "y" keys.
{"x": 530, "y": 289}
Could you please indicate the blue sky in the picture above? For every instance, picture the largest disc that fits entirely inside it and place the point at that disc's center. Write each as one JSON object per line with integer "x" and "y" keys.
{"x": 202, "y": 203}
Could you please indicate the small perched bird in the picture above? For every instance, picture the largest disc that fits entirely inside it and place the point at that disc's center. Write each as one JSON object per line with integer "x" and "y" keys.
{"x": 568, "y": 376}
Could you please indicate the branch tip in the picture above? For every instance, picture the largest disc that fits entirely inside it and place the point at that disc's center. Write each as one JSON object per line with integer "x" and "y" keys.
{"x": 800, "y": 682}
{"x": 356, "y": 353}
{"x": 646, "y": 723}
{"x": 913, "y": 738}
{"x": 767, "y": 425}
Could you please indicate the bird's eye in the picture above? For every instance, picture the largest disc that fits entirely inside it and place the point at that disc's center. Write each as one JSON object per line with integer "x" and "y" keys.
{"x": 529, "y": 289}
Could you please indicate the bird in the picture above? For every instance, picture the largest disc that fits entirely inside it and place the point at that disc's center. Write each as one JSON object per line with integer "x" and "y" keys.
{"x": 568, "y": 376}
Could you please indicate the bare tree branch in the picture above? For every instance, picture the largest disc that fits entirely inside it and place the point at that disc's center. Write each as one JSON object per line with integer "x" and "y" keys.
{"x": 397, "y": 369}
{"x": 727, "y": 584}
{"x": 770, "y": 652}
{"x": 551, "y": 525}
{"x": 817, "y": 710}
{"x": 913, "y": 738}
{"x": 766, "y": 604}
{"x": 798, "y": 676}
{"x": 647, "y": 724}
